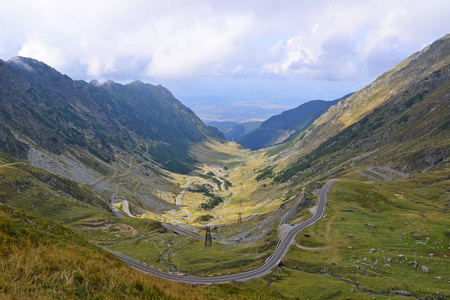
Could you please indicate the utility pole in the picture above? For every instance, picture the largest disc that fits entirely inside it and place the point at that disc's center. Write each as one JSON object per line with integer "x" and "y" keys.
{"x": 239, "y": 217}
{"x": 208, "y": 238}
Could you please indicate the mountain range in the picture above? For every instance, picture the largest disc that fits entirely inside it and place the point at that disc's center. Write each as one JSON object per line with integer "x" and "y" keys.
{"x": 59, "y": 114}
{"x": 279, "y": 128}
{"x": 234, "y": 131}
{"x": 401, "y": 120}
{"x": 111, "y": 163}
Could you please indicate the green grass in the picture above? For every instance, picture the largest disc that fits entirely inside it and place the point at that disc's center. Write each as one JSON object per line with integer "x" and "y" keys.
{"x": 112, "y": 230}
{"x": 49, "y": 195}
{"x": 191, "y": 255}
{"x": 375, "y": 231}
{"x": 267, "y": 172}
{"x": 42, "y": 260}
{"x": 233, "y": 164}
{"x": 294, "y": 284}
{"x": 146, "y": 250}
{"x": 280, "y": 148}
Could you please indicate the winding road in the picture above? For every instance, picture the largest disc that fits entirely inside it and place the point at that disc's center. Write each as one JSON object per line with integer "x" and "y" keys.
{"x": 265, "y": 269}
{"x": 180, "y": 196}
{"x": 126, "y": 207}
{"x": 386, "y": 177}
{"x": 291, "y": 212}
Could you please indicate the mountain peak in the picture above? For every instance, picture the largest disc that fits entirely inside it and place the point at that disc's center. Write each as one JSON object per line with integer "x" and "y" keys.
{"x": 58, "y": 113}
{"x": 29, "y": 64}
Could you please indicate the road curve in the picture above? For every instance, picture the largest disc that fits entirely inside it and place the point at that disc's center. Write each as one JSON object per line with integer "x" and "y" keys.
{"x": 291, "y": 212}
{"x": 115, "y": 210}
{"x": 385, "y": 177}
{"x": 126, "y": 207}
{"x": 373, "y": 170}
{"x": 180, "y": 196}
{"x": 265, "y": 269}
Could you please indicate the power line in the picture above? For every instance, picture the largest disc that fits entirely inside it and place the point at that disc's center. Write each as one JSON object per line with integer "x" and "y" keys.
{"x": 208, "y": 238}
{"x": 239, "y": 217}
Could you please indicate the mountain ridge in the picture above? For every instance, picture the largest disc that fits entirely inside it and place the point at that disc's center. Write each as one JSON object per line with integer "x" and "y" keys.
{"x": 418, "y": 85}
{"x": 59, "y": 113}
{"x": 280, "y": 127}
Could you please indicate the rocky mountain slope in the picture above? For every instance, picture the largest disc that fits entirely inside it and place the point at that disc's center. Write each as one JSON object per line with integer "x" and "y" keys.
{"x": 59, "y": 114}
{"x": 401, "y": 119}
{"x": 280, "y": 127}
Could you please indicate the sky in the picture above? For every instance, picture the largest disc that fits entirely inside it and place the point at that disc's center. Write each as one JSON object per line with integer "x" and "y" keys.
{"x": 227, "y": 60}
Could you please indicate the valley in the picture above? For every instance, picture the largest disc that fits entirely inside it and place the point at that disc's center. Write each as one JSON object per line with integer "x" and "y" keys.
{"x": 348, "y": 200}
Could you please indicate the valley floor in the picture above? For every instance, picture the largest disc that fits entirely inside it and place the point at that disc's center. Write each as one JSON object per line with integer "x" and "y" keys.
{"x": 383, "y": 234}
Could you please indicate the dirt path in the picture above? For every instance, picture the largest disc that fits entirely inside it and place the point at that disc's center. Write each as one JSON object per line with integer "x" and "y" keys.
{"x": 328, "y": 240}
{"x": 308, "y": 248}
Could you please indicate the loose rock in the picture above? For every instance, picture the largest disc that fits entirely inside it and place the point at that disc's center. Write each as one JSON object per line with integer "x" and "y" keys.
{"x": 425, "y": 269}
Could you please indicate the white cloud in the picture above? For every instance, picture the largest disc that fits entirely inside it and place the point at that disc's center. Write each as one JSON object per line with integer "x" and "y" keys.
{"x": 40, "y": 51}
{"x": 22, "y": 63}
{"x": 203, "y": 47}
{"x": 352, "y": 39}
{"x": 344, "y": 40}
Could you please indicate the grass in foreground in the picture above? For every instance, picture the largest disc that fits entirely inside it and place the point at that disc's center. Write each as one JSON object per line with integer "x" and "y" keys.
{"x": 40, "y": 259}
{"x": 390, "y": 237}
{"x": 191, "y": 256}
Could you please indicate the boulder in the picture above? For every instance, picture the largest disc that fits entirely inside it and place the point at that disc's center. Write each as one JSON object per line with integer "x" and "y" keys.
{"x": 425, "y": 269}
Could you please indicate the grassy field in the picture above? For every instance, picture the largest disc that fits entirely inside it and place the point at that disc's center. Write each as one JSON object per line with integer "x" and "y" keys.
{"x": 191, "y": 256}
{"x": 240, "y": 168}
{"x": 38, "y": 263}
{"x": 377, "y": 239}
{"x": 387, "y": 236}
{"x": 383, "y": 239}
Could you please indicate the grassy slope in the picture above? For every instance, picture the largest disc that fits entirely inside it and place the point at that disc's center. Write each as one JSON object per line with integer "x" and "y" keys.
{"x": 374, "y": 232}
{"x": 55, "y": 197}
{"x": 390, "y": 88}
{"x": 249, "y": 196}
{"x": 42, "y": 260}
{"x": 411, "y": 131}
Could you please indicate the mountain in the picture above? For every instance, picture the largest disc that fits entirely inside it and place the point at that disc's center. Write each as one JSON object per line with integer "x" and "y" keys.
{"x": 223, "y": 126}
{"x": 280, "y": 127}
{"x": 235, "y": 131}
{"x": 57, "y": 114}
{"x": 400, "y": 120}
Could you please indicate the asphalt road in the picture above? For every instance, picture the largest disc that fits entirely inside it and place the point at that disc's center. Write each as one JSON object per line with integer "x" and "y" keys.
{"x": 373, "y": 170}
{"x": 265, "y": 269}
{"x": 126, "y": 207}
{"x": 291, "y": 212}
{"x": 182, "y": 231}
{"x": 115, "y": 211}
{"x": 385, "y": 177}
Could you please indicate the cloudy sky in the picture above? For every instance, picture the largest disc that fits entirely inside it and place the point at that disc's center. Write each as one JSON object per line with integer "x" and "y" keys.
{"x": 229, "y": 55}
